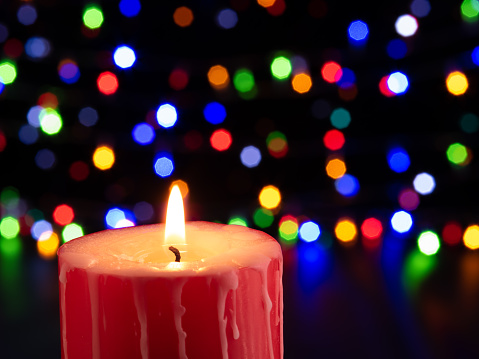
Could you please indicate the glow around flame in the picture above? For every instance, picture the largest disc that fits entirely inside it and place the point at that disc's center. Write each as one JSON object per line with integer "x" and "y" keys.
{"x": 175, "y": 218}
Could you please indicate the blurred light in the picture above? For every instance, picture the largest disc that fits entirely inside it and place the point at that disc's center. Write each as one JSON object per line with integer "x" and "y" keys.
{"x": 406, "y": 25}
{"x": 88, "y": 116}
{"x": 129, "y": 8}
{"x": 33, "y": 116}
{"x": 221, "y": 140}
{"x": 218, "y": 77}
{"x": 420, "y": 8}
{"x": 470, "y": 9}
{"x": 277, "y": 144}
{"x": 10, "y": 197}
{"x": 281, "y": 67}
{"x": 396, "y": 49}
{"x": 457, "y": 153}
{"x": 401, "y": 221}
{"x": 63, "y": 214}
{"x": 193, "y": 140}
{"x": 383, "y": 87}
{"x": 288, "y": 228}
{"x": 27, "y": 14}
{"x": 452, "y": 233}
{"x": 2, "y": 86}
{"x": 309, "y": 231}
{"x": 475, "y": 55}
{"x": 71, "y": 231}
{"x": 408, "y": 199}
{"x": 13, "y": 48}
{"x": 301, "y": 83}
{"x": 3, "y": 32}
{"x": 28, "y": 134}
{"x": 250, "y": 156}
{"x": 124, "y": 57}
{"x": 183, "y": 16}
{"x": 79, "y": 171}
{"x": 457, "y": 83}
{"x": 103, "y": 158}
{"x": 182, "y": 185}
{"x": 9, "y": 227}
{"x": 8, "y": 72}
{"x": 416, "y": 268}
{"x": 347, "y": 185}
{"x": 335, "y": 168}
{"x": 45, "y": 159}
{"x": 371, "y": 228}
{"x": 68, "y": 71}
{"x": 143, "y": 211}
{"x": 331, "y": 72}
{"x": 424, "y": 183}
{"x": 215, "y": 113}
{"x": 37, "y": 47}
{"x": 277, "y": 8}
{"x": 345, "y": 230}
{"x": 266, "y": 3}
{"x": 178, "y": 79}
{"x": 166, "y": 115}
{"x": 92, "y": 17}
{"x": 428, "y": 243}
{"x": 269, "y": 197}
{"x": 42, "y": 229}
{"x": 358, "y": 30}
{"x": 119, "y": 218}
{"x": 340, "y": 118}
{"x": 471, "y": 237}
{"x": 263, "y": 217}
{"x": 10, "y": 247}
{"x": 239, "y": 221}
{"x": 143, "y": 133}
{"x": 164, "y": 166}
{"x": 469, "y": 123}
{"x": 397, "y": 83}
{"x": 48, "y": 100}
{"x": 348, "y": 79}
{"x": 398, "y": 160}
{"x": 47, "y": 247}
{"x": 243, "y": 80}
{"x": 333, "y": 140}
{"x": 227, "y": 18}
{"x": 107, "y": 83}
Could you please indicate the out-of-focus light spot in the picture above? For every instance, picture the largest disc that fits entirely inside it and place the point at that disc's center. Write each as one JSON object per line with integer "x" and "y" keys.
{"x": 143, "y": 211}
{"x": 178, "y": 79}
{"x": 277, "y": 9}
{"x": 347, "y": 185}
{"x": 401, "y": 221}
{"x": 28, "y": 134}
{"x": 470, "y": 10}
{"x": 288, "y": 228}
{"x": 371, "y": 228}
{"x": 424, "y": 183}
{"x": 457, "y": 153}
{"x": 396, "y": 49}
{"x": 406, "y": 25}
{"x": 8, "y": 72}
{"x": 358, "y": 30}
{"x": 428, "y": 243}
{"x": 347, "y": 80}
{"x": 3, "y": 141}
{"x": 79, "y": 171}
{"x": 37, "y": 47}
{"x": 166, "y": 115}
{"x": 475, "y": 55}
{"x": 183, "y": 16}
{"x": 397, "y": 83}
{"x": 124, "y": 57}
{"x": 41, "y": 229}
{"x": 281, "y": 67}
{"x": 3, "y": 32}
{"x": 2, "y": 86}
{"x": 9, "y": 227}
{"x": 266, "y": 3}
{"x": 227, "y": 18}
{"x": 182, "y": 185}
{"x": 417, "y": 267}
{"x": 398, "y": 160}
{"x": 10, "y": 197}
{"x": 68, "y": 71}
{"x": 263, "y": 217}
{"x": 345, "y": 230}
{"x": 13, "y": 48}
{"x": 88, "y": 116}
{"x": 250, "y": 156}
{"x": 129, "y": 8}
{"x": 103, "y": 158}
{"x": 221, "y": 140}
{"x": 218, "y": 77}
{"x": 420, "y": 8}
{"x": 243, "y": 80}
{"x": 457, "y": 83}
{"x": 331, "y": 72}
{"x": 164, "y": 166}
{"x": 469, "y": 123}
{"x": 63, "y": 214}
{"x": 277, "y": 144}
{"x": 452, "y": 233}
{"x": 27, "y": 15}
{"x": 215, "y": 113}
{"x": 119, "y": 218}
{"x": 143, "y": 133}
{"x": 333, "y": 140}
{"x": 10, "y": 247}
{"x": 92, "y": 17}
{"x": 193, "y": 140}
{"x": 72, "y": 231}
{"x": 269, "y": 197}
{"x": 471, "y": 237}
{"x": 45, "y": 159}
{"x": 383, "y": 87}
{"x": 301, "y": 83}
{"x": 47, "y": 247}
{"x": 33, "y": 116}
{"x": 408, "y": 199}
{"x": 335, "y": 168}
{"x": 340, "y": 118}
{"x": 107, "y": 83}
{"x": 309, "y": 231}
{"x": 239, "y": 221}
{"x": 348, "y": 91}
{"x": 48, "y": 100}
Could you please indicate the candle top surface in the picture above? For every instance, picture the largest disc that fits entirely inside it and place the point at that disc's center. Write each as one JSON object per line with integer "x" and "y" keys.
{"x": 142, "y": 250}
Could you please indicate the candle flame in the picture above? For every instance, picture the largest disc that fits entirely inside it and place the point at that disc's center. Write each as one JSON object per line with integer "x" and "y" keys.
{"x": 175, "y": 218}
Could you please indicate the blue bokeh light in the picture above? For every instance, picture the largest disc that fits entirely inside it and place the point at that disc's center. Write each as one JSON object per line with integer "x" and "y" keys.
{"x": 164, "y": 166}
{"x": 69, "y": 73}
{"x": 475, "y": 55}
{"x": 420, "y": 8}
{"x": 143, "y": 133}
{"x": 309, "y": 231}
{"x": 398, "y": 160}
{"x": 250, "y": 156}
{"x": 358, "y": 30}
{"x": 41, "y": 228}
{"x": 33, "y": 116}
{"x": 396, "y": 49}
{"x": 166, "y": 115}
{"x": 347, "y": 185}
{"x": 348, "y": 78}
{"x": 215, "y": 113}
{"x": 88, "y": 116}
{"x": 130, "y": 8}
{"x": 37, "y": 47}
{"x": 28, "y": 134}
{"x": 401, "y": 221}
{"x": 227, "y": 19}
{"x": 27, "y": 15}
{"x": 119, "y": 218}
{"x": 45, "y": 159}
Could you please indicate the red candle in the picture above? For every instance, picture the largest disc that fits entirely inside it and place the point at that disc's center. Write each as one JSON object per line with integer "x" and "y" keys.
{"x": 147, "y": 292}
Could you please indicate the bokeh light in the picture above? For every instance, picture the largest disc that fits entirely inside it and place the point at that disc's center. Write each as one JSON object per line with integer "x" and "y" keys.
{"x": 27, "y": 135}
{"x": 68, "y": 71}
{"x": 48, "y": 100}
{"x": 178, "y": 79}
{"x": 79, "y": 171}
{"x": 47, "y": 246}
{"x": 452, "y": 233}
{"x": 72, "y": 231}
{"x": 182, "y": 185}
{"x": 420, "y": 8}
{"x": 27, "y": 14}
{"x": 45, "y": 159}
{"x": 266, "y": 3}
{"x": 263, "y": 217}
{"x": 277, "y": 144}
{"x": 119, "y": 218}
{"x": 130, "y": 8}
{"x": 383, "y": 87}
{"x": 269, "y": 197}
{"x": 93, "y": 17}
{"x": 428, "y": 243}
{"x": 41, "y": 228}
{"x": 164, "y": 165}
{"x": 347, "y": 80}
{"x": 471, "y": 237}
{"x": 408, "y": 199}
{"x": 9, "y": 227}
{"x": 398, "y": 83}
{"x": 37, "y": 47}
{"x": 221, "y": 140}
{"x": 309, "y": 231}
{"x": 227, "y": 18}
{"x": 183, "y": 16}
{"x": 238, "y": 221}
{"x": 103, "y": 158}
{"x": 33, "y": 116}
{"x": 218, "y": 77}
{"x": 144, "y": 211}
{"x": 331, "y": 72}
{"x": 301, "y": 83}
{"x": 13, "y": 48}
{"x": 457, "y": 153}
{"x": 334, "y": 140}
{"x": 358, "y": 30}
{"x": 8, "y": 72}
{"x": 470, "y": 10}
{"x": 281, "y": 67}
{"x": 50, "y": 121}
{"x": 250, "y": 156}
{"x": 347, "y": 185}
{"x": 124, "y": 57}
{"x": 345, "y": 230}
{"x": 424, "y": 183}
{"x": 166, "y": 115}
{"x": 215, "y": 113}
{"x": 88, "y": 116}
{"x": 401, "y": 221}
{"x": 107, "y": 83}
{"x": 63, "y": 214}
{"x": 288, "y": 229}
{"x": 340, "y": 118}
{"x": 143, "y": 134}
{"x": 371, "y": 228}
{"x": 398, "y": 160}
{"x": 396, "y": 49}
{"x": 335, "y": 168}
{"x": 406, "y": 25}
{"x": 243, "y": 80}
{"x": 469, "y": 123}
{"x": 457, "y": 83}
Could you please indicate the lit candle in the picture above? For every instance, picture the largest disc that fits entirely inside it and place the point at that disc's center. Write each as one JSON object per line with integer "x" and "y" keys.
{"x": 200, "y": 290}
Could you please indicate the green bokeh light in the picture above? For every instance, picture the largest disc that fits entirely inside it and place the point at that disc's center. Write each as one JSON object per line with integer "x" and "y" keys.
{"x": 288, "y": 231}
{"x": 93, "y": 17}
{"x": 10, "y": 247}
{"x": 71, "y": 231}
{"x": 469, "y": 123}
{"x": 8, "y": 72}
{"x": 50, "y": 121}
{"x": 9, "y": 227}
{"x": 470, "y": 9}
{"x": 281, "y": 68}
{"x": 263, "y": 217}
{"x": 417, "y": 267}
{"x": 340, "y": 118}
{"x": 9, "y": 197}
{"x": 457, "y": 153}
{"x": 239, "y": 221}
{"x": 243, "y": 80}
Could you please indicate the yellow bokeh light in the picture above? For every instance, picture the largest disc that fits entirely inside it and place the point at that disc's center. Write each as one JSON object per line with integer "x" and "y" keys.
{"x": 218, "y": 77}
{"x": 336, "y": 168}
{"x": 183, "y": 187}
{"x": 270, "y": 197}
{"x": 471, "y": 237}
{"x": 47, "y": 247}
{"x": 301, "y": 83}
{"x": 456, "y": 83}
{"x": 345, "y": 230}
{"x": 103, "y": 158}
{"x": 266, "y": 3}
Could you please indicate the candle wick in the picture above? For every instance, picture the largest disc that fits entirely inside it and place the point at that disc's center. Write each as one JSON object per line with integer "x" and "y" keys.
{"x": 177, "y": 253}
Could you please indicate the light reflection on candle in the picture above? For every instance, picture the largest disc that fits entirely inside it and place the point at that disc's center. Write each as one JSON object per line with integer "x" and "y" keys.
{"x": 175, "y": 218}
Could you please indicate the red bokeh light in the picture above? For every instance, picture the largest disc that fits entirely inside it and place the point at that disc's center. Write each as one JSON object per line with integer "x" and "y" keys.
{"x": 408, "y": 199}
{"x": 452, "y": 233}
{"x": 63, "y": 215}
{"x": 221, "y": 140}
{"x": 371, "y": 228}
{"x": 193, "y": 140}
{"x": 178, "y": 79}
{"x": 13, "y": 48}
{"x": 79, "y": 171}
{"x": 48, "y": 100}
{"x": 334, "y": 140}
{"x": 3, "y": 141}
{"x": 331, "y": 72}
{"x": 107, "y": 83}
{"x": 277, "y": 8}
{"x": 383, "y": 87}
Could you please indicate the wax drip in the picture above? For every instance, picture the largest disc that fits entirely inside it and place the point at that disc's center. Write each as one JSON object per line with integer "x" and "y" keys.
{"x": 93, "y": 280}
{"x": 177, "y": 253}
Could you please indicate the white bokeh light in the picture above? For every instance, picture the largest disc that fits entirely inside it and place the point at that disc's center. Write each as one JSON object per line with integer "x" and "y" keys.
{"x": 401, "y": 221}
{"x": 124, "y": 57}
{"x": 424, "y": 183}
{"x": 166, "y": 115}
{"x": 406, "y": 25}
